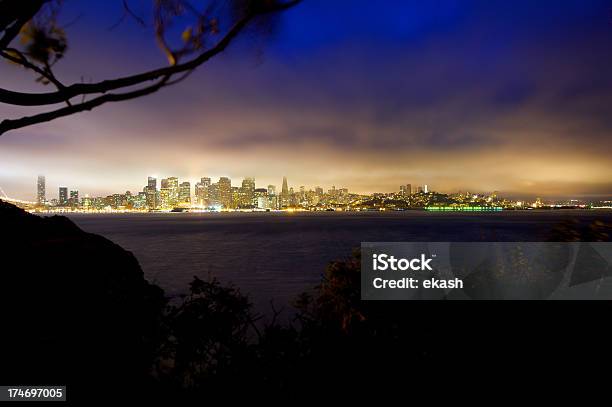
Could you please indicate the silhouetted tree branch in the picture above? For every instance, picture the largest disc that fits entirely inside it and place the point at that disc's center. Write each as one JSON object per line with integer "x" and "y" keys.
{"x": 8, "y": 124}
{"x": 17, "y": 57}
{"x": 53, "y": 46}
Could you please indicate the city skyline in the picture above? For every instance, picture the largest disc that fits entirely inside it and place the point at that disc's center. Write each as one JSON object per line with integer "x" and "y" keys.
{"x": 25, "y": 192}
{"x": 187, "y": 190}
{"x": 157, "y": 183}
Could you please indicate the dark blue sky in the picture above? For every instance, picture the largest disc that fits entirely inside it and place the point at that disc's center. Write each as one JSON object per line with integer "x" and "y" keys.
{"x": 479, "y": 95}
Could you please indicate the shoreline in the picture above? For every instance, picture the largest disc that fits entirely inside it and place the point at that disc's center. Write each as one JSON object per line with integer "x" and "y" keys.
{"x": 291, "y": 212}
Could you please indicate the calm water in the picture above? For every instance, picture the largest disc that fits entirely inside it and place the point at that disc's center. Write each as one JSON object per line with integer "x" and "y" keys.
{"x": 276, "y": 255}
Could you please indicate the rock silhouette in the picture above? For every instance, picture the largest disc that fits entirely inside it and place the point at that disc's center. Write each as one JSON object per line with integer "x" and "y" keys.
{"x": 75, "y": 307}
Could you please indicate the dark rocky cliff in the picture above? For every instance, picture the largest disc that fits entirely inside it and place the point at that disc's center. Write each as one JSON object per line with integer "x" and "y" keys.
{"x": 75, "y": 307}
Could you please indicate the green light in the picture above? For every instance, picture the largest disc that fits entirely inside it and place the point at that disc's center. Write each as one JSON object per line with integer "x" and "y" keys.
{"x": 463, "y": 209}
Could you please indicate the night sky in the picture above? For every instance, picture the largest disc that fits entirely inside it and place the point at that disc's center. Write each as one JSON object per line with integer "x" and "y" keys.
{"x": 514, "y": 96}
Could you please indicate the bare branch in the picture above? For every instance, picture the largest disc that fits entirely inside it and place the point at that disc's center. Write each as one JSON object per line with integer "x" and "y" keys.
{"x": 162, "y": 76}
{"x": 127, "y": 12}
{"x": 10, "y": 124}
{"x": 136, "y": 17}
{"x": 40, "y": 99}
{"x": 181, "y": 78}
{"x": 19, "y": 58}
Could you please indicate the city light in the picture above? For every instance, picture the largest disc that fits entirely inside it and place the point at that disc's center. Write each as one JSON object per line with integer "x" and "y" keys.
{"x": 464, "y": 208}
{"x": 173, "y": 195}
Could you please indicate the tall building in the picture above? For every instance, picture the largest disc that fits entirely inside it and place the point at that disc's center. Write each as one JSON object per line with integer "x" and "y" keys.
{"x": 247, "y": 192}
{"x": 173, "y": 185}
{"x": 164, "y": 197}
{"x": 213, "y": 195}
{"x": 63, "y": 196}
{"x": 272, "y": 198}
{"x": 225, "y": 192}
{"x": 202, "y": 192}
{"x": 284, "y": 196}
{"x": 205, "y": 182}
{"x": 41, "y": 190}
{"x": 151, "y": 193}
{"x": 86, "y": 202}
{"x": 115, "y": 201}
{"x": 74, "y": 198}
{"x": 260, "y": 198}
{"x": 185, "y": 193}
{"x": 140, "y": 201}
{"x": 406, "y": 190}
{"x": 293, "y": 201}
{"x": 237, "y": 197}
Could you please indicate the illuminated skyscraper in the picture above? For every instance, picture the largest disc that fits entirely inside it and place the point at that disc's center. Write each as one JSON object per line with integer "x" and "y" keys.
{"x": 152, "y": 183}
{"x": 87, "y": 202}
{"x": 237, "y": 198}
{"x": 260, "y": 198}
{"x": 406, "y": 190}
{"x": 140, "y": 201}
{"x": 151, "y": 193}
{"x": 41, "y": 190}
{"x": 213, "y": 195}
{"x": 202, "y": 192}
{"x": 173, "y": 184}
{"x": 63, "y": 196}
{"x": 225, "y": 192}
{"x": 185, "y": 193}
{"x": 164, "y": 197}
{"x": 272, "y": 198}
{"x": 247, "y": 192}
{"x": 74, "y": 198}
{"x": 284, "y": 196}
{"x": 205, "y": 182}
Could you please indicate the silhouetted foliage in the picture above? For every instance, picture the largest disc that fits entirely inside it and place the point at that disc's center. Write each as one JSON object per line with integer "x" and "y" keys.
{"x": 207, "y": 334}
{"x": 338, "y": 298}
